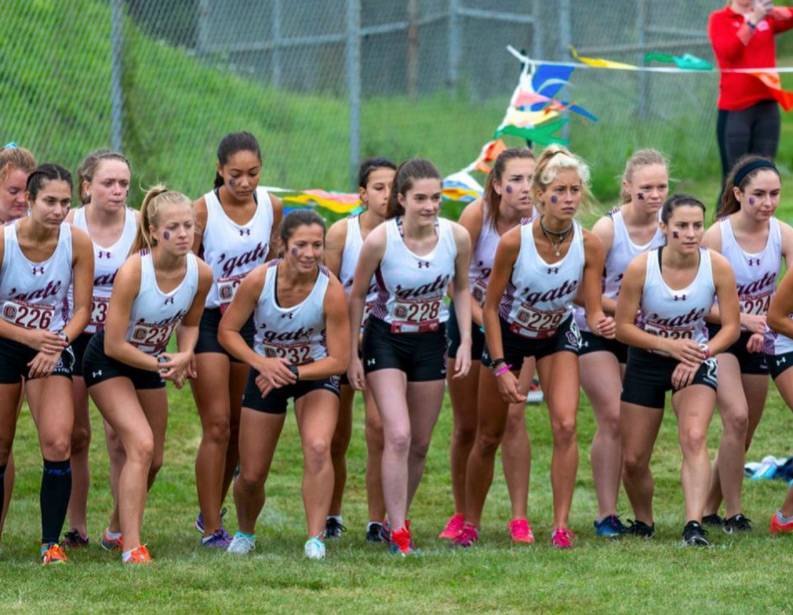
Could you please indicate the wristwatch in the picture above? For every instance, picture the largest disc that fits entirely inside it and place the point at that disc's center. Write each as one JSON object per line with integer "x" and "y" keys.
{"x": 293, "y": 369}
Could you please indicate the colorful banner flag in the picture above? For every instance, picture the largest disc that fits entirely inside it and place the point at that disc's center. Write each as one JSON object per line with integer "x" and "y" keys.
{"x": 685, "y": 62}
{"x": 601, "y": 62}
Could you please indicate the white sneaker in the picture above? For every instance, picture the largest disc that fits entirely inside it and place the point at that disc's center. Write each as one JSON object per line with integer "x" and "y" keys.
{"x": 314, "y": 549}
{"x": 241, "y": 544}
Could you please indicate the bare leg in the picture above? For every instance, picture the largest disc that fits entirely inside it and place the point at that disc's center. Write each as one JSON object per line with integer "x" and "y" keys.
{"x": 10, "y": 402}
{"x": 374, "y": 456}
{"x": 317, "y": 413}
{"x": 515, "y": 448}
{"x": 639, "y": 427}
{"x": 339, "y": 446}
{"x": 463, "y": 395}
{"x": 81, "y": 443}
{"x": 424, "y": 404}
{"x": 601, "y": 379}
{"x": 259, "y": 433}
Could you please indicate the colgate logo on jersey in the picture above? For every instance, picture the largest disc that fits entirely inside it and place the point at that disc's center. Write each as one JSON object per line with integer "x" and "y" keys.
{"x": 288, "y": 336}
{"x": 106, "y": 279}
{"x": 440, "y": 284}
{"x": 676, "y": 322}
{"x": 768, "y": 279}
{"x": 50, "y": 290}
{"x": 568, "y": 287}
{"x": 175, "y": 319}
{"x": 255, "y": 256}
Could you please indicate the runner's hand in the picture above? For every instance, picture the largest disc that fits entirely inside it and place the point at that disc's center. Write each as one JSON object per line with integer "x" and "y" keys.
{"x": 274, "y": 372}
{"x": 508, "y": 387}
{"x": 685, "y": 351}
{"x": 462, "y": 363}
{"x": 755, "y": 343}
{"x": 756, "y": 323}
{"x": 44, "y": 340}
{"x": 42, "y": 364}
{"x": 683, "y": 375}
{"x": 355, "y": 374}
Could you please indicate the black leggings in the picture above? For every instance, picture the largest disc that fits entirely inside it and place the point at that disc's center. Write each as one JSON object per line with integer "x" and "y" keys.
{"x": 752, "y": 131}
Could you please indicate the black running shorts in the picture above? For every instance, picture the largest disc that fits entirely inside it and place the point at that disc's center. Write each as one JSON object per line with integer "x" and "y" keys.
{"x": 422, "y": 356}
{"x": 78, "y": 347}
{"x": 595, "y": 343}
{"x": 98, "y": 367}
{"x": 453, "y": 337}
{"x": 567, "y": 338}
{"x": 14, "y": 359}
{"x": 648, "y": 376}
{"x": 750, "y": 362}
{"x": 208, "y": 334}
{"x": 276, "y": 400}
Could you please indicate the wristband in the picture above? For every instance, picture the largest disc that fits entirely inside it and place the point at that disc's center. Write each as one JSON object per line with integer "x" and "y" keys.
{"x": 293, "y": 369}
{"x": 704, "y": 348}
{"x": 62, "y": 333}
{"x": 494, "y": 363}
{"x": 502, "y": 370}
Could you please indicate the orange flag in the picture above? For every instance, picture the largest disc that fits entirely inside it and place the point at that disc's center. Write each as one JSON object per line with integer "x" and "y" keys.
{"x": 774, "y": 84}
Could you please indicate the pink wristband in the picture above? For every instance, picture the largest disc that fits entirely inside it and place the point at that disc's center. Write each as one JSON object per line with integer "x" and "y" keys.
{"x": 704, "y": 348}
{"x": 502, "y": 370}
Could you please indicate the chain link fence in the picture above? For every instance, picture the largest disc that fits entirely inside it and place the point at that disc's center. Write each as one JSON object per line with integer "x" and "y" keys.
{"x": 324, "y": 83}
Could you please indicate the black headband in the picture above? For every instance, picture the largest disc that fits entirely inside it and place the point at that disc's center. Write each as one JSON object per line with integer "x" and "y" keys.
{"x": 760, "y": 163}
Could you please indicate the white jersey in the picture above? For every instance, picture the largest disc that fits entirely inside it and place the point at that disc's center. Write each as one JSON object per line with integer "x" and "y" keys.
{"x": 231, "y": 249}
{"x": 411, "y": 288}
{"x": 296, "y": 333}
{"x": 107, "y": 261}
{"x": 539, "y": 295}
{"x": 155, "y": 314}
{"x": 623, "y": 250}
{"x": 353, "y": 241}
{"x": 34, "y": 294}
{"x": 677, "y": 314}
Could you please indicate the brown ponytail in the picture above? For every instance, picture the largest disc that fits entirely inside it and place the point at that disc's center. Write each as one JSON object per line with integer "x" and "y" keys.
{"x": 743, "y": 172}
{"x": 492, "y": 198}
{"x": 406, "y": 174}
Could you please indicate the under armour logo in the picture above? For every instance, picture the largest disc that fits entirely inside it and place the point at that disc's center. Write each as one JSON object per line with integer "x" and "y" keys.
{"x": 168, "y": 300}
{"x": 585, "y": 345}
{"x": 370, "y": 362}
{"x": 96, "y": 374}
{"x": 753, "y": 261}
{"x": 680, "y": 297}
{"x": 104, "y": 254}
{"x": 289, "y": 315}
{"x": 38, "y": 270}
{"x": 781, "y": 361}
{"x": 244, "y": 232}
{"x": 553, "y": 269}
{"x": 424, "y": 264}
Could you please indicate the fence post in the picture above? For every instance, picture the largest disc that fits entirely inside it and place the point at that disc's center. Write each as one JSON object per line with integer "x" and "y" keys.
{"x": 116, "y": 91}
{"x": 536, "y": 30}
{"x": 276, "y": 75}
{"x": 413, "y": 49}
{"x": 565, "y": 40}
{"x": 353, "y": 61}
{"x": 644, "y": 85}
{"x": 454, "y": 42}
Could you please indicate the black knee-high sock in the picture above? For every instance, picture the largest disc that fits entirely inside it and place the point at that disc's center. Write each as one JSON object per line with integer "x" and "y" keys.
{"x": 56, "y": 487}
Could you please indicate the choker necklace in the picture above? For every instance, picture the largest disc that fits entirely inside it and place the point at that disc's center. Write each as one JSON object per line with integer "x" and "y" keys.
{"x": 559, "y": 235}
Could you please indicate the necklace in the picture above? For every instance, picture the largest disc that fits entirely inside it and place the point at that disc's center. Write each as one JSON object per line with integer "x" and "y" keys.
{"x": 560, "y": 236}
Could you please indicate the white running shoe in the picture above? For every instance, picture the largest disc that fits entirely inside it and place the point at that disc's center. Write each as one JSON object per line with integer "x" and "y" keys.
{"x": 241, "y": 544}
{"x": 314, "y": 549}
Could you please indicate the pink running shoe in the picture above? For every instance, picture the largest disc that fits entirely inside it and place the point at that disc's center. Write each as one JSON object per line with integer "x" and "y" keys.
{"x": 467, "y": 537}
{"x": 453, "y": 527}
{"x": 562, "y": 538}
{"x": 520, "y": 531}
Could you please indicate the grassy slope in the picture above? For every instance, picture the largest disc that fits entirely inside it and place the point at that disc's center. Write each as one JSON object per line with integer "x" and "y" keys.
{"x": 737, "y": 574}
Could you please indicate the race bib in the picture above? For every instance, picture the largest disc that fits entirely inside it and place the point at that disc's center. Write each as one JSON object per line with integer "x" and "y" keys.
{"x": 227, "y": 288}
{"x": 667, "y": 332}
{"x": 536, "y": 323}
{"x": 99, "y": 311}
{"x": 153, "y": 337}
{"x": 296, "y": 354}
{"x": 755, "y": 305}
{"x": 478, "y": 291}
{"x": 22, "y": 314}
{"x": 416, "y": 316}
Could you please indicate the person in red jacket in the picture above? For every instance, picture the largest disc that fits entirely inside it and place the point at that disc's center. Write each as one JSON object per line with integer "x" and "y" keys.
{"x": 742, "y": 36}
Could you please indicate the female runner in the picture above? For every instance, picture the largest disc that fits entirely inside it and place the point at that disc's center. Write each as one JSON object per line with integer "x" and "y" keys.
{"x": 161, "y": 286}
{"x": 781, "y": 361}
{"x": 342, "y": 248}
{"x": 237, "y": 225}
{"x": 16, "y": 163}
{"x": 42, "y": 257}
{"x": 625, "y": 233}
{"x": 528, "y": 312}
{"x": 754, "y": 242}
{"x": 103, "y": 185}
{"x": 673, "y": 289}
{"x": 506, "y": 202}
{"x": 414, "y": 256}
{"x": 301, "y": 347}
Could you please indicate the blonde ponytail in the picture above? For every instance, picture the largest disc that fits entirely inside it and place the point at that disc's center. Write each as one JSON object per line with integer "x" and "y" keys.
{"x": 150, "y": 209}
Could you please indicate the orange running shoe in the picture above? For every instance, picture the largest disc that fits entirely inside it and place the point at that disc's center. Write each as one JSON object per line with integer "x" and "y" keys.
{"x": 778, "y": 526}
{"x": 520, "y": 531}
{"x": 453, "y": 527}
{"x": 139, "y": 555}
{"x": 111, "y": 544}
{"x": 52, "y": 553}
{"x": 401, "y": 543}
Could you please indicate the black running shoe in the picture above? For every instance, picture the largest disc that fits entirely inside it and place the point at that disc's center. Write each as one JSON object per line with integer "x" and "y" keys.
{"x": 694, "y": 535}
{"x": 736, "y": 524}
{"x": 333, "y": 529}
{"x": 640, "y": 529}
{"x": 714, "y": 520}
{"x": 374, "y": 533}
